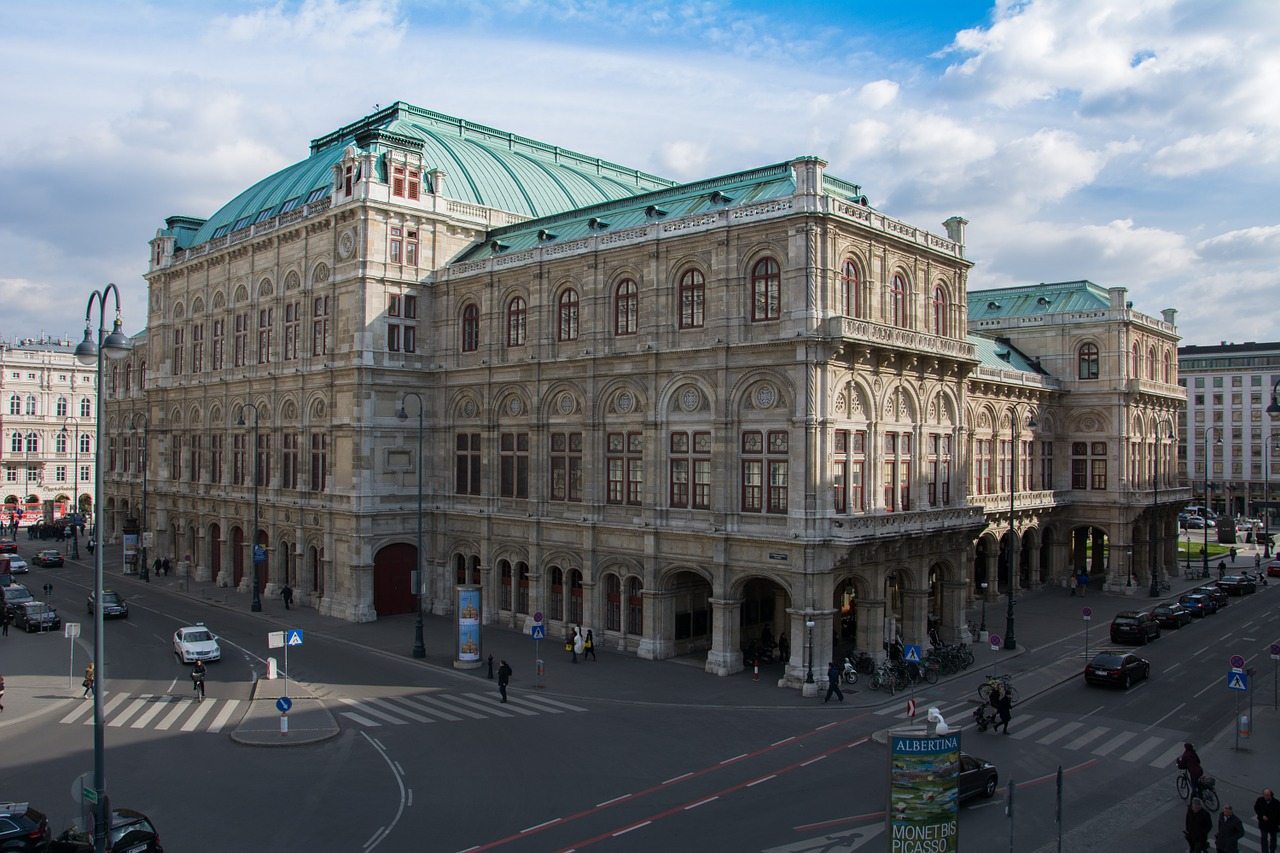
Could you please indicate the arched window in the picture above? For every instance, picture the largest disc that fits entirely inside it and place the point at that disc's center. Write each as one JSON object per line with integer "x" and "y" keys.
{"x": 84, "y": 442}
{"x": 15, "y": 442}
{"x": 517, "y": 314}
{"x": 612, "y": 603}
{"x": 15, "y": 405}
{"x": 86, "y": 408}
{"x": 31, "y": 404}
{"x": 1133, "y": 362}
{"x": 567, "y": 327}
{"x": 1087, "y": 357}
{"x": 626, "y": 308}
{"x": 850, "y": 290}
{"x": 61, "y": 407}
{"x": 766, "y": 290}
{"x": 33, "y": 443}
{"x": 692, "y": 299}
{"x": 1168, "y": 368}
{"x": 940, "y": 309}
{"x": 635, "y": 606}
{"x": 60, "y": 443}
{"x": 1151, "y": 363}
{"x": 471, "y": 327}
{"x": 556, "y": 605}
{"x": 898, "y": 302}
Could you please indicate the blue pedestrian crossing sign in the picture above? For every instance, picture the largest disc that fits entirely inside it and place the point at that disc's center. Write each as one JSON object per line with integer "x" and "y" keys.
{"x": 911, "y": 653}
{"x": 538, "y": 632}
{"x": 1237, "y": 680}
{"x": 293, "y": 637}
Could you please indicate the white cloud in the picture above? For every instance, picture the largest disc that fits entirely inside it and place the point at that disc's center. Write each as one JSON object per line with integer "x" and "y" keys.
{"x": 1257, "y": 243}
{"x": 318, "y": 23}
{"x": 1201, "y": 152}
{"x": 684, "y": 159}
{"x": 878, "y": 94}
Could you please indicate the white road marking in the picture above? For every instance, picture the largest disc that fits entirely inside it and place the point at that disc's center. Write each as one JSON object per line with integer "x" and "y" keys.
{"x": 1181, "y": 705}
{"x": 483, "y": 704}
{"x": 420, "y": 704}
{"x": 484, "y": 700}
{"x": 678, "y": 778}
{"x": 614, "y": 800}
{"x": 224, "y": 715}
{"x": 1108, "y": 747}
{"x": 1141, "y": 749}
{"x": 522, "y": 702}
{"x": 156, "y": 707}
{"x": 1088, "y": 737}
{"x": 701, "y": 803}
{"x": 764, "y": 779}
{"x": 735, "y": 758}
{"x": 84, "y": 706}
{"x": 202, "y": 708}
{"x": 398, "y": 710}
{"x": 541, "y": 825}
{"x": 813, "y": 761}
{"x": 1033, "y": 728}
{"x": 123, "y": 717}
{"x": 179, "y": 709}
{"x": 440, "y": 701}
{"x": 1165, "y": 759}
{"x": 356, "y": 718}
{"x": 109, "y": 707}
{"x": 629, "y": 828}
{"x": 383, "y": 831}
{"x": 365, "y": 708}
{"x": 1066, "y": 729}
{"x": 536, "y": 699}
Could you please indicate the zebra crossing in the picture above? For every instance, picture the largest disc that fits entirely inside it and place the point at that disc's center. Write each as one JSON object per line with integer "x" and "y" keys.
{"x": 159, "y": 712}
{"x": 372, "y": 712}
{"x": 1094, "y": 739}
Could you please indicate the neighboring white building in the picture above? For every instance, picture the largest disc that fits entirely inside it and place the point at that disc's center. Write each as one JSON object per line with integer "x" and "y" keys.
{"x": 47, "y": 407}
{"x": 1229, "y": 387}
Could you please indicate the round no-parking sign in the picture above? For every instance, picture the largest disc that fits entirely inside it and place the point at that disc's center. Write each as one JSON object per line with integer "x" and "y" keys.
{"x": 1087, "y": 613}
{"x": 995, "y": 641}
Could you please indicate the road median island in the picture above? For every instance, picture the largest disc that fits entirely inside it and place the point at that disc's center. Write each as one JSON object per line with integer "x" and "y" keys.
{"x": 309, "y": 721}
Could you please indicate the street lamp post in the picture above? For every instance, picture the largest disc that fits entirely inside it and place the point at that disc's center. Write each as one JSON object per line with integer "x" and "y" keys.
{"x": 808, "y": 678}
{"x": 143, "y": 571}
{"x": 75, "y": 488}
{"x": 982, "y": 626}
{"x": 114, "y": 345}
{"x": 419, "y": 647}
{"x": 1204, "y": 550}
{"x": 1010, "y": 640}
{"x": 256, "y": 605}
{"x": 1162, "y": 434}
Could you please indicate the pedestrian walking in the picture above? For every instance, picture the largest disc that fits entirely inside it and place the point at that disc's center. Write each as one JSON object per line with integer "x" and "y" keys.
{"x": 1082, "y": 581}
{"x": 1267, "y": 809}
{"x": 4, "y": 620}
{"x": 1072, "y": 584}
{"x": 1199, "y": 824}
{"x": 165, "y": 566}
{"x": 833, "y": 682}
{"x": 1233, "y": 555}
{"x": 156, "y": 565}
{"x": 87, "y": 682}
{"x": 1222, "y": 569}
{"x": 589, "y": 646}
{"x": 286, "y": 593}
{"x": 1002, "y": 701}
{"x": 504, "y": 677}
{"x": 491, "y": 667}
{"x": 1230, "y": 831}
{"x": 577, "y": 644}
{"x": 1, "y": 692}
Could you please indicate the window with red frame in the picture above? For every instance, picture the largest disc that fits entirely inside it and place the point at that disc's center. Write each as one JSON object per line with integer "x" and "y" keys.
{"x": 179, "y": 336}
{"x": 766, "y": 290}
{"x": 898, "y": 302}
{"x": 215, "y": 458}
{"x": 566, "y": 466}
{"x": 217, "y": 338}
{"x": 292, "y": 328}
{"x": 470, "y": 327}
{"x": 850, "y": 290}
{"x": 849, "y": 470}
{"x": 320, "y": 325}
{"x": 567, "y": 327}
{"x": 764, "y": 471}
{"x": 692, "y": 299}
{"x": 940, "y": 309}
{"x": 405, "y": 182}
{"x": 624, "y": 462}
{"x": 626, "y": 308}
{"x": 197, "y": 348}
{"x": 516, "y": 319}
{"x": 635, "y": 606}
{"x": 265, "y": 328}
{"x": 513, "y": 464}
{"x": 690, "y": 467}
{"x": 612, "y": 603}
{"x": 939, "y": 463}
{"x": 241, "y": 340}
{"x": 466, "y": 476}
{"x": 897, "y": 471}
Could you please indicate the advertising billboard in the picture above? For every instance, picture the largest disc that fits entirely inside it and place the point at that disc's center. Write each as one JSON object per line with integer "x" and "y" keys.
{"x": 924, "y": 793}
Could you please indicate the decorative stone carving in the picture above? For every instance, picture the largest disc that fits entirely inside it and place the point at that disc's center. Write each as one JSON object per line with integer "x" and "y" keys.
{"x": 841, "y": 404}
{"x": 514, "y": 407}
{"x": 766, "y": 396}
{"x": 566, "y": 404}
{"x": 468, "y": 408}
{"x": 690, "y": 399}
{"x": 624, "y": 403}
{"x": 346, "y": 244}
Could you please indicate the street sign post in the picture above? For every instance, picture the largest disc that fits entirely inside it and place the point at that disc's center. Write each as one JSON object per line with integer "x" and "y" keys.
{"x": 1087, "y": 615}
{"x": 1238, "y": 681}
{"x": 996, "y": 642}
{"x": 539, "y": 632}
{"x": 71, "y": 630}
{"x": 1275, "y": 684}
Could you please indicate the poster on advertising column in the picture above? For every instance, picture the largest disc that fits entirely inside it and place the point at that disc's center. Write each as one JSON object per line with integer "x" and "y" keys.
{"x": 468, "y": 613}
{"x": 924, "y": 793}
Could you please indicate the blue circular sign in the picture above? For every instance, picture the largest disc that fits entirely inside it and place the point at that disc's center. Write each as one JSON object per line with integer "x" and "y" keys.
{"x": 283, "y": 704}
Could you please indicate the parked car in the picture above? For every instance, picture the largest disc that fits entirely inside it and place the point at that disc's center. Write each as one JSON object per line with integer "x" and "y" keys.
{"x": 1273, "y": 569}
{"x": 978, "y": 777}
{"x": 48, "y": 559}
{"x": 1216, "y": 593}
{"x": 1134, "y": 626}
{"x": 131, "y": 832}
{"x": 1120, "y": 670}
{"x": 8, "y": 546}
{"x": 37, "y": 616}
{"x": 1237, "y": 585}
{"x": 17, "y": 565}
{"x": 112, "y": 604}
{"x": 195, "y": 643}
{"x": 16, "y": 595}
{"x": 1199, "y": 605}
{"x": 1172, "y": 615}
{"x": 22, "y": 828}
{"x": 1195, "y": 522}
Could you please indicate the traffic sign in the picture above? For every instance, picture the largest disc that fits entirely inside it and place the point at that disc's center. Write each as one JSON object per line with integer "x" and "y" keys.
{"x": 275, "y": 639}
{"x": 70, "y": 630}
{"x": 1237, "y": 662}
{"x": 293, "y": 637}
{"x": 995, "y": 641}
{"x": 1237, "y": 680}
{"x": 90, "y": 794}
{"x": 538, "y": 632}
{"x": 911, "y": 653}
{"x": 537, "y": 616}
{"x": 1087, "y": 613}
{"x": 283, "y": 704}
{"x": 1275, "y": 651}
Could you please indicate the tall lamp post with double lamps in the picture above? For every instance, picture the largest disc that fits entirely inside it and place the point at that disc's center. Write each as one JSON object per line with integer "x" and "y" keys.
{"x": 1163, "y": 433}
{"x": 419, "y": 647}
{"x": 1274, "y": 412}
{"x": 75, "y": 479}
{"x": 254, "y": 553}
{"x": 1204, "y": 550}
{"x": 114, "y": 346}
{"x": 1010, "y": 641}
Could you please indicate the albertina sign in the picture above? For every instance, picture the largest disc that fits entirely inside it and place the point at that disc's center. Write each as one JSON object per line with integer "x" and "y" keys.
{"x": 924, "y": 793}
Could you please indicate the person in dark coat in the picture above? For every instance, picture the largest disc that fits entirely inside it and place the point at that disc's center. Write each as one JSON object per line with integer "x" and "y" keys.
{"x": 1003, "y": 703}
{"x": 1230, "y": 831}
{"x": 504, "y": 677}
{"x": 589, "y": 646}
{"x": 1190, "y": 762}
{"x": 165, "y": 566}
{"x": 491, "y": 667}
{"x": 286, "y": 592}
{"x": 1267, "y": 809}
{"x": 1198, "y": 826}
{"x": 833, "y": 682}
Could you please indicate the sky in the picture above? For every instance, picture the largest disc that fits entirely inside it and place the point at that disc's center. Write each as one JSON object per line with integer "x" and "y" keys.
{"x": 1133, "y": 143}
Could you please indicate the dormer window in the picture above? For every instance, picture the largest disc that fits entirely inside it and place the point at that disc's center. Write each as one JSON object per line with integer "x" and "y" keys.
{"x": 263, "y": 215}
{"x": 653, "y": 211}
{"x": 718, "y": 197}
{"x": 221, "y": 230}
{"x": 348, "y": 178}
{"x": 993, "y": 306}
{"x": 242, "y": 222}
{"x": 291, "y": 204}
{"x": 596, "y": 224}
{"x": 405, "y": 182}
{"x": 315, "y": 195}
{"x": 544, "y": 235}
{"x": 497, "y": 248}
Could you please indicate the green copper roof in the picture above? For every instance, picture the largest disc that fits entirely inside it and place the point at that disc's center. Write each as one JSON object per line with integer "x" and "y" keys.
{"x": 1000, "y": 354}
{"x": 1035, "y": 300}
{"x": 482, "y": 166}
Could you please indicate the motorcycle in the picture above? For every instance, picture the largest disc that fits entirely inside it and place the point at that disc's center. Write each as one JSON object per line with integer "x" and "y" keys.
{"x": 850, "y": 673}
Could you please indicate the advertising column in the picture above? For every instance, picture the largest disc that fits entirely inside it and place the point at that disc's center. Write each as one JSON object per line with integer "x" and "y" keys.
{"x": 924, "y": 780}
{"x": 467, "y": 600}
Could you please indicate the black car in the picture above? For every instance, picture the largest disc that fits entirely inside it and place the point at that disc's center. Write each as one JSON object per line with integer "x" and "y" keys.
{"x": 37, "y": 616}
{"x": 22, "y": 828}
{"x": 1237, "y": 585}
{"x": 48, "y": 559}
{"x": 16, "y": 595}
{"x": 1172, "y": 615}
{"x": 112, "y": 604}
{"x": 131, "y": 832}
{"x": 978, "y": 778}
{"x": 1134, "y": 626}
{"x": 1217, "y": 594}
{"x": 1118, "y": 670}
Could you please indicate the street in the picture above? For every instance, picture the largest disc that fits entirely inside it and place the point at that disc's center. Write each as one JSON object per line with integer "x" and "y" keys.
{"x": 621, "y": 754}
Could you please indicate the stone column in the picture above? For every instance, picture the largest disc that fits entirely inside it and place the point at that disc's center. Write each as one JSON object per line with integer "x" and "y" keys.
{"x": 820, "y": 653}
{"x": 870, "y": 631}
{"x": 953, "y": 622}
{"x": 224, "y": 570}
{"x": 658, "y": 642}
{"x": 915, "y": 617}
{"x": 725, "y": 656}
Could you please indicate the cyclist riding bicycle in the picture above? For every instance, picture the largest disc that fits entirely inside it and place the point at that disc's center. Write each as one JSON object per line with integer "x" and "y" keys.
{"x": 197, "y": 679}
{"x": 1190, "y": 762}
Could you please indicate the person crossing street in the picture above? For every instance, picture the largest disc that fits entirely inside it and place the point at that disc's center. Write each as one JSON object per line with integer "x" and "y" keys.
{"x": 833, "y": 683}
{"x": 1267, "y": 810}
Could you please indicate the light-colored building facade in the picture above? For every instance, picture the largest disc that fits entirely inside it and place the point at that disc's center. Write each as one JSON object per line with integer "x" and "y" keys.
{"x": 681, "y": 415}
{"x": 1229, "y": 388}
{"x": 47, "y": 428}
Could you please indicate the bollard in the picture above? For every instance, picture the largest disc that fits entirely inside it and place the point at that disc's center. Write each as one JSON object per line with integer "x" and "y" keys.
{"x": 284, "y": 724}
{"x": 1245, "y": 725}
{"x": 757, "y": 669}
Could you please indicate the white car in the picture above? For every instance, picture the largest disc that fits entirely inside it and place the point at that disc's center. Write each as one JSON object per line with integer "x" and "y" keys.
{"x": 17, "y": 565}
{"x": 196, "y": 643}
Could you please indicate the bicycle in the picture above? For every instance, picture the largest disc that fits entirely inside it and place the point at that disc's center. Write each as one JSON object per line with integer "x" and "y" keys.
{"x": 1003, "y": 682}
{"x": 197, "y": 686}
{"x": 1207, "y": 793}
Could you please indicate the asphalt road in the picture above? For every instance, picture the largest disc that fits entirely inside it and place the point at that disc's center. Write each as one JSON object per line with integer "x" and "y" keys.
{"x": 428, "y": 759}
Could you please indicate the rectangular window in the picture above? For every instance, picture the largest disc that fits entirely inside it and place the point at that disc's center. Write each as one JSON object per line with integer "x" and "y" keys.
{"x": 319, "y": 461}
{"x": 566, "y": 466}
{"x": 410, "y": 307}
{"x": 197, "y": 348}
{"x": 215, "y": 458}
{"x": 393, "y": 252}
{"x": 292, "y": 317}
{"x": 60, "y": 474}
{"x": 690, "y": 466}
{"x": 466, "y": 479}
{"x": 241, "y": 340}
{"x": 411, "y": 249}
{"x": 513, "y": 458}
{"x": 405, "y": 182}
{"x": 289, "y": 462}
{"x": 897, "y": 471}
{"x": 393, "y": 337}
{"x": 320, "y": 325}
{"x": 939, "y": 463}
{"x": 178, "y": 336}
{"x": 193, "y": 458}
{"x": 1046, "y": 465}
{"x": 624, "y": 463}
{"x": 219, "y": 334}
{"x": 840, "y": 471}
{"x": 262, "y": 463}
{"x": 239, "y": 460}
{"x": 175, "y": 459}
{"x": 266, "y": 318}
{"x": 765, "y": 480}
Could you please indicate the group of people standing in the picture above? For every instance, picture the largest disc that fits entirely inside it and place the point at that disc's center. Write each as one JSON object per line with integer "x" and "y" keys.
{"x": 1199, "y": 820}
{"x": 577, "y": 643}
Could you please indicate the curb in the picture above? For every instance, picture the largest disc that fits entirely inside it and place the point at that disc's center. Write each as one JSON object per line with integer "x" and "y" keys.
{"x": 267, "y": 737}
